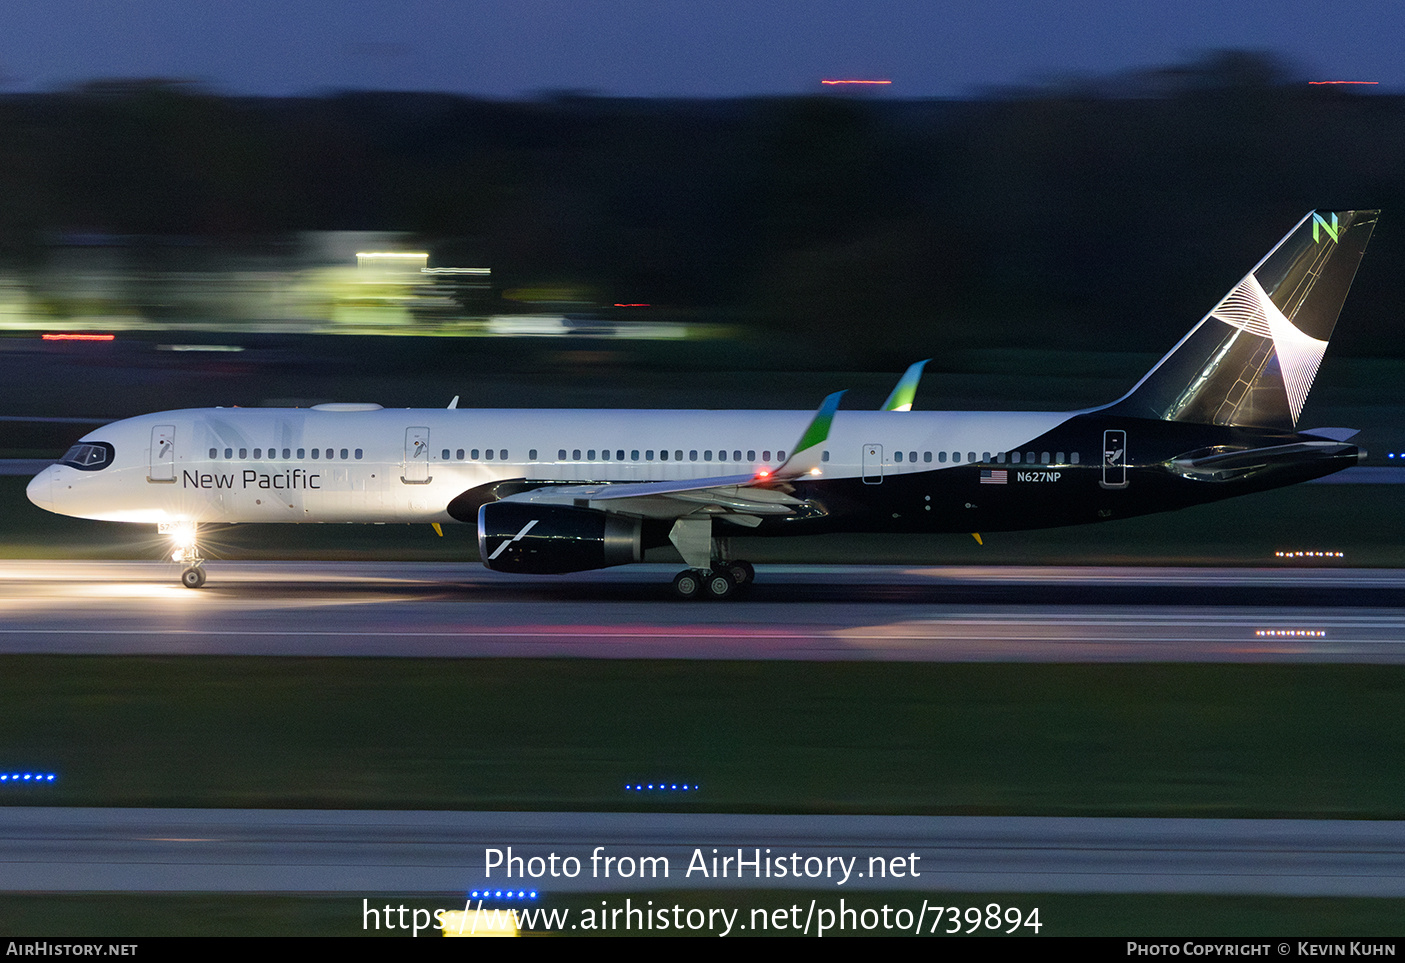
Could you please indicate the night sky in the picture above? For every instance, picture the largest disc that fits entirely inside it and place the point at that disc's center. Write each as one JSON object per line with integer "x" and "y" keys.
{"x": 689, "y": 48}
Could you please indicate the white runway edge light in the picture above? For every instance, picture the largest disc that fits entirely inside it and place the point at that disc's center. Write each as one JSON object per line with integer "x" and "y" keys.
{"x": 661, "y": 787}
{"x": 1309, "y": 554}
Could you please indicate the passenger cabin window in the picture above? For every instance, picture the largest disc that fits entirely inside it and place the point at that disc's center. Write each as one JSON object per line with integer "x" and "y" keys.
{"x": 358, "y": 454}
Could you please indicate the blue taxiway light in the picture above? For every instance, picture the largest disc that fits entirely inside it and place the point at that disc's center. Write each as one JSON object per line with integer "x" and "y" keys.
{"x": 22, "y": 777}
{"x": 503, "y": 894}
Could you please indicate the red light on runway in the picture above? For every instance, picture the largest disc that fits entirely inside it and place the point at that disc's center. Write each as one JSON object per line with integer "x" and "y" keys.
{"x": 834, "y": 83}
{"x": 78, "y": 337}
{"x": 1318, "y": 83}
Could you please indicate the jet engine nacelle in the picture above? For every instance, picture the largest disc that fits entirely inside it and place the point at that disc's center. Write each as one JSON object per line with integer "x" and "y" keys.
{"x": 550, "y": 539}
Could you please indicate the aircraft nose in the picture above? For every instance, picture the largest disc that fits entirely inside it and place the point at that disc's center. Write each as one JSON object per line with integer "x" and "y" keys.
{"x": 41, "y": 489}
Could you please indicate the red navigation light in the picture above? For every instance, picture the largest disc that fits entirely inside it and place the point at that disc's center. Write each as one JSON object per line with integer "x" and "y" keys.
{"x": 1316, "y": 83}
{"x": 65, "y": 336}
{"x": 636, "y": 304}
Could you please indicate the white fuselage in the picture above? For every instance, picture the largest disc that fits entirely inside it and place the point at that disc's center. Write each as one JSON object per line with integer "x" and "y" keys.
{"x": 365, "y": 464}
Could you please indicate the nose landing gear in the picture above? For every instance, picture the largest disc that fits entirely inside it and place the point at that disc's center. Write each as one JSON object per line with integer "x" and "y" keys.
{"x": 186, "y": 550}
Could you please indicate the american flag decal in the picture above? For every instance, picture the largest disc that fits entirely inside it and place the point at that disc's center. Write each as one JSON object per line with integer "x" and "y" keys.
{"x": 997, "y": 476}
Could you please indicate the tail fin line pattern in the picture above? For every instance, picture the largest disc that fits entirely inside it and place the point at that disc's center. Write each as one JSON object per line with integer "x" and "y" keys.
{"x": 1252, "y": 360}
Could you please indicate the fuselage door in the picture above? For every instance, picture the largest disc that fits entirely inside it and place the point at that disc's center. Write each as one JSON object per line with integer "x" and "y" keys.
{"x": 163, "y": 454}
{"x": 873, "y": 464}
{"x": 1114, "y": 459}
{"x": 416, "y": 457}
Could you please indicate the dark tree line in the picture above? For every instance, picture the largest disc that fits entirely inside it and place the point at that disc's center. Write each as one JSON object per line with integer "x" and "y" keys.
{"x": 1090, "y": 214}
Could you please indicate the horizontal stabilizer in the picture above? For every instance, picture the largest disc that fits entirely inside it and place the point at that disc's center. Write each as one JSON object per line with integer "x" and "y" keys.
{"x": 1336, "y": 434}
{"x": 1218, "y": 465}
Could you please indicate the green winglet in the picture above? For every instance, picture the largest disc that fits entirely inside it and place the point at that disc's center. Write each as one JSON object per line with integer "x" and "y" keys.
{"x": 906, "y": 390}
{"x": 818, "y": 431}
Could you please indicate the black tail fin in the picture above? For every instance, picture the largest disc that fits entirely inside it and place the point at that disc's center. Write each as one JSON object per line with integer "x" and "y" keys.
{"x": 1252, "y": 360}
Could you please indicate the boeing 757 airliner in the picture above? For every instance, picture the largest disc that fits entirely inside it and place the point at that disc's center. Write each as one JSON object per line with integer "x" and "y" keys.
{"x": 567, "y": 491}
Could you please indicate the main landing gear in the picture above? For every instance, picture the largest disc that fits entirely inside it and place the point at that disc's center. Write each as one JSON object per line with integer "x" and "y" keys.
{"x": 708, "y": 578}
{"x": 721, "y": 582}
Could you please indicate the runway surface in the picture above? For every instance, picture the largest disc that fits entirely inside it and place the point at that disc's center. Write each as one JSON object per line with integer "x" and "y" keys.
{"x": 231, "y": 850}
{"x": 794, "y": 612}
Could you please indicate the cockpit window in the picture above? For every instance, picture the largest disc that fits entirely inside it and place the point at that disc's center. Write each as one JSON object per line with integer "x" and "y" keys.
{"x": 89, "y": 456}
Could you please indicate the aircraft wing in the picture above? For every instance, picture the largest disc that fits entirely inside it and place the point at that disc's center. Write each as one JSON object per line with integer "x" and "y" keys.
{"x": 742, "y": 498}
{"x": 735, "y": 496}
